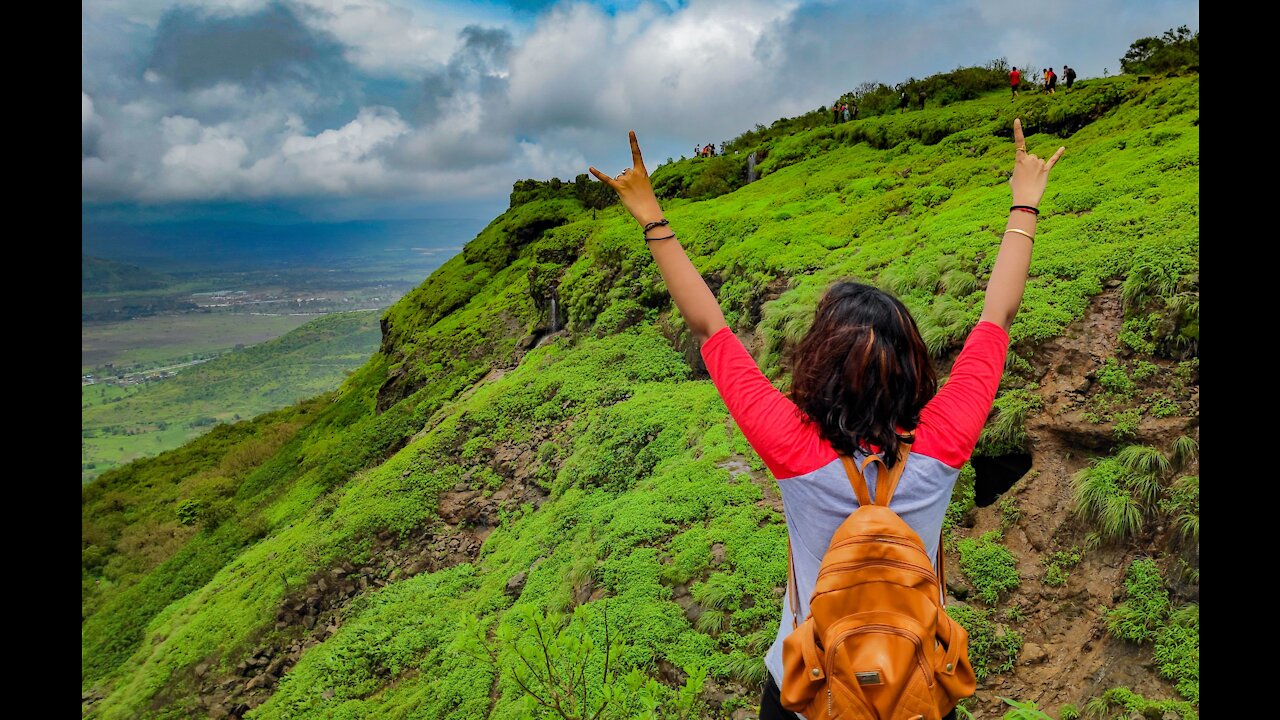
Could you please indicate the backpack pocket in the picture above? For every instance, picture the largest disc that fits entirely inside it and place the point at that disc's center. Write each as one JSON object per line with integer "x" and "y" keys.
{"x": 880, "y": 667}
{"x": 954, "y": 673}
{"x": 803, "y": 671}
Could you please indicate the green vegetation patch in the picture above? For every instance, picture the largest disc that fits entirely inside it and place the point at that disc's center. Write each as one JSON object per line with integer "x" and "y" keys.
{"x": 993, "y": 648}
{"x": 990, "y": 567}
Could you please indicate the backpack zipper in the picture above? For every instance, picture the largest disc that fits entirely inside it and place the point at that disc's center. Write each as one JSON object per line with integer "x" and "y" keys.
{"x": 857, "y": 539}
{"x": 864, "y": 563}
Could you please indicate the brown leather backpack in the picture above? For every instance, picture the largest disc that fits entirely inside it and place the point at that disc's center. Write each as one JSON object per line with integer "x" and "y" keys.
{"x": 877, "y": 644}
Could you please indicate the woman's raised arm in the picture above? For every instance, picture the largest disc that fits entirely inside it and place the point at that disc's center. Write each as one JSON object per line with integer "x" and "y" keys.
{"x": 1009, "y": 276}
{"x": 699, "y": 307}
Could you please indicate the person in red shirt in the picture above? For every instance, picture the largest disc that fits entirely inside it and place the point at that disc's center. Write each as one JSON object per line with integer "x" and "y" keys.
{"x": 862, "y": 382}
{"x": 1015, "y": 77}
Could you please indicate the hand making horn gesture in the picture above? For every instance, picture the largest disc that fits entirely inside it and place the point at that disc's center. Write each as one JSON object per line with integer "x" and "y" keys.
{"x": 633, "y": 188}
{"x": 1030, "y": 173}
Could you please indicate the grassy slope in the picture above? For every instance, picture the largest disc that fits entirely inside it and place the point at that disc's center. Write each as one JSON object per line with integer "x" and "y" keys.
{"x": 122, "y": 424}
{"x": 628, "y": 443}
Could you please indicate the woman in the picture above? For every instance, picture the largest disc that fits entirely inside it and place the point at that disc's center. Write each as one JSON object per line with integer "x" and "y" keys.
{"x": 862, "y": 380}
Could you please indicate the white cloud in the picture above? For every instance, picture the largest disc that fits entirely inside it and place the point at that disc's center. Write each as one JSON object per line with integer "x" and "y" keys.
{"x": 337, "y": 162}
{"x": 87, "y": 115}
{"x": 386, "y": 99}
{"x": 200, "y": 162}
{"x": 90, "y": 126}
{"x": 383, "y": 37}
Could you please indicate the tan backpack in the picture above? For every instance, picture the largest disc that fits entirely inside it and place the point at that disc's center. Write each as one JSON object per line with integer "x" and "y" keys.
{"x": 877, "y": 644}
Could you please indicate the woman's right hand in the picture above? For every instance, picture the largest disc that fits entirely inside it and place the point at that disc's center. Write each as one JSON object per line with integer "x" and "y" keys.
{"x": 633, "y": 188}
{"x": 1030, "y": 173}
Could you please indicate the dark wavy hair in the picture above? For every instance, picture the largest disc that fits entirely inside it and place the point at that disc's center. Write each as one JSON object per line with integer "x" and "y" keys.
{"x": 862, "y": 371}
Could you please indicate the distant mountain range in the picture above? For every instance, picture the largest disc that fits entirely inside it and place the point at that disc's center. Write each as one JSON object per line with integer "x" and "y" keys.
{"x": 107, "y": 276}
{"x": 204, "y": 246}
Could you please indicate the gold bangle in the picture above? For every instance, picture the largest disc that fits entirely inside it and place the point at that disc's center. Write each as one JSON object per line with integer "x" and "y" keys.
{"x": 1021, "y": 232}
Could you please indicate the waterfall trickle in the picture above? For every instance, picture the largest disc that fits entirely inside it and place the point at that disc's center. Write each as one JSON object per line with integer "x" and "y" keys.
{"x": 555, "y": 318}
{"x": 751, "y": 167}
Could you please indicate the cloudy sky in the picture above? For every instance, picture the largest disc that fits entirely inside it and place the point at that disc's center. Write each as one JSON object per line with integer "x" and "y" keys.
{"x": 346, "y": 109}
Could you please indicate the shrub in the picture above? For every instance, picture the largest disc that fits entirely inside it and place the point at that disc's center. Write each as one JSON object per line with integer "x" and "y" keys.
{"x": 1163, "y": 407}
{"x": 1134, "y": 705}
{"x": 1113, "y": 378}
{"x": 1126, "y": 424}
{"x": 189, "y": 511}
{"x": 1139, "y": 618}
{"x": 992, "y": 648}
{"x": 1177, "y": 651}
{"x": 1009, "y": 514}
{"x": 990, "y": 567}
{"x": 1055, "y": 576}
{"x": 1007, "y": 432}
{"x": 1057, "y": 564}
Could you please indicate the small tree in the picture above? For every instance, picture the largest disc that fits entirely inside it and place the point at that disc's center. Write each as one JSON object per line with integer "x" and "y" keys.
{"x": 1176, "y": 50}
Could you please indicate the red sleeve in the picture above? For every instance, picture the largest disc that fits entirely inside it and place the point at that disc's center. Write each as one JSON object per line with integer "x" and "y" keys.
{"x": 953, "y": 419}
{"x": 787, "y": 444}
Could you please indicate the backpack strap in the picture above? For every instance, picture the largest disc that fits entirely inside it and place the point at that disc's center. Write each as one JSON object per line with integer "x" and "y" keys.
{"x": 791, "y": 585}
{"x": 856, "y": 480}
{"x": 942, "y": 574}
{"x": 885, "y": 484}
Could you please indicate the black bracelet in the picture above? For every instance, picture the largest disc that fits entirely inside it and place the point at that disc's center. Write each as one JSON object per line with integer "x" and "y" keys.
{"x": 655, "y": 224}
{"x": 664, "y": 237}
{"x": 1028, "y": 208}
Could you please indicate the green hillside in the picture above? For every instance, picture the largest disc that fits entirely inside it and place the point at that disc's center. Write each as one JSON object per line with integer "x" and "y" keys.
{"x": 107, "y": 276}
{"x": 484, "y": 493}
{"x": 119, "y": 424}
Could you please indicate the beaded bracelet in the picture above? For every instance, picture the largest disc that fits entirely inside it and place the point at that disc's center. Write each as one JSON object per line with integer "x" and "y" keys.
{"x": 1025, "y": 208}
{"x": 655, "y": 223}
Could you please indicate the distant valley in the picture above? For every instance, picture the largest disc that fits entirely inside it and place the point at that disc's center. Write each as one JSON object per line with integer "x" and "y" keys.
{"x": 186, "y": 325}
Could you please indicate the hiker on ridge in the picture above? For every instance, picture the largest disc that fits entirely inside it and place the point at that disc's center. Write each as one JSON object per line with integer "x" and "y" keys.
{"x": 1015, "y": 77}
{"x": 1052, "y": 81}
{"x": 863, "y": 387}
